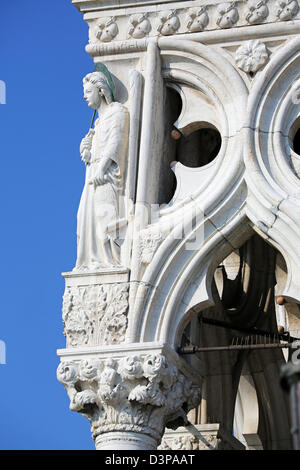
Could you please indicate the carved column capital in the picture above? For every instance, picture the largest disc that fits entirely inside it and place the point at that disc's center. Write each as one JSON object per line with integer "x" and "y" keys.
{"x": 138, "y": 393}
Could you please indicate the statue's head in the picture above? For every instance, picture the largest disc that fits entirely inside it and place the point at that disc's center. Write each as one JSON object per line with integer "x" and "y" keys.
{"x": 96, "y": 88}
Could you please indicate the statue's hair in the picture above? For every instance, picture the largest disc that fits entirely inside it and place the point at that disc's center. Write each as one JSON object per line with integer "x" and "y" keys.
{"x": 100, "y": 81}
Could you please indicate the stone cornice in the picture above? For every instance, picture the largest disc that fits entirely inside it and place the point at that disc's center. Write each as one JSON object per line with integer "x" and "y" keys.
{"x": 273, "y": 31}
{"x": 91, "y": 5}
{"x": 127, "y": 26}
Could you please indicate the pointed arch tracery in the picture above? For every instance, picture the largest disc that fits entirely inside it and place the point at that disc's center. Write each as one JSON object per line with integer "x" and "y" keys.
{"x": 237, "y": 195}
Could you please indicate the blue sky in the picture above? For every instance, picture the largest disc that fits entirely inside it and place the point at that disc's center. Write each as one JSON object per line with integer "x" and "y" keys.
{"x": 42, "y": 63}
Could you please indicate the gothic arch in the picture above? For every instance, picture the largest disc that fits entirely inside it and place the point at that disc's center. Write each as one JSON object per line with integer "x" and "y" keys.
{"x": 227, "y": 206}
{"x": 271, "y": 174}
{"x": 215, "y": 206}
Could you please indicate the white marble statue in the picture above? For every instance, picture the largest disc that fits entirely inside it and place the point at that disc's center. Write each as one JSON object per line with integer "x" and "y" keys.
{"x": 103, "y": 151}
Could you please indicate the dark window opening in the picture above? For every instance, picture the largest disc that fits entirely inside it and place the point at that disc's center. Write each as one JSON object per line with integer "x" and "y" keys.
{"x": 296, "y": 142}
{"x": 199, "y": 148}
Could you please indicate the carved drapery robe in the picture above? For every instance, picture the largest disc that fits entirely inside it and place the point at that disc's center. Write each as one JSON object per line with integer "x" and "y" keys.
{"x": 98, "y": 208}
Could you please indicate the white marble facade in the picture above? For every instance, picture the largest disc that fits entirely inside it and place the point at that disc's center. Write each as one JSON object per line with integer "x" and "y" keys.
{"x": 152, "y": 227}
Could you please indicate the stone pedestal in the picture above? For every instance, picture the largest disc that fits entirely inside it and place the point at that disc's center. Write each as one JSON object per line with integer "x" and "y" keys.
{"x": 95, "y": 307}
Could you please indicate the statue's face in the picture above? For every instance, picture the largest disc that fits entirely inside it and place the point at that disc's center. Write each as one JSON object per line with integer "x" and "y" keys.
{"x": 92, "y": 95}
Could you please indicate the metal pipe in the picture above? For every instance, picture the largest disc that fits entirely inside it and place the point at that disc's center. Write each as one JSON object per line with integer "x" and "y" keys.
{"x": 235, "y": 347}
{"x": 222, "y": 324}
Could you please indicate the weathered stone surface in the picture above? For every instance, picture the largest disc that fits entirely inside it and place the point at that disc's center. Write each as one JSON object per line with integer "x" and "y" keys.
{"x": 207, "y": 116}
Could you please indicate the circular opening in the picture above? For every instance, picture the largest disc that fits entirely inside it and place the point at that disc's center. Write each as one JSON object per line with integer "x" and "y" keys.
{"x": 296, "y": 142}
{"x": 174, "y": 102}
{"x": 294, "y": 136}
{"x": 166, "y": 181}
{"x": 200, "y": 147}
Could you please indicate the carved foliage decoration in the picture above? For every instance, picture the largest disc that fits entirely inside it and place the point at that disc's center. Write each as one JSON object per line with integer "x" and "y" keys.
{"x": 95, "y": 315}
{"x": 115, "y": 319}
{"x": 149, "y": 242}
{"x": 140, "y": 26}
{"x": 197, "y": 19}
{"x": 227, "y": 15}
{"x": 251, "y": 56}
{"x": 189, "y": 442}
{"x": 168, "y": 22}
{"x": 287, "y": 9}
{"x": 137, "y": 393}
{"x": 257, "y": 11}
{"x": 183, "y": 439}
{"x": 107, "y": 29}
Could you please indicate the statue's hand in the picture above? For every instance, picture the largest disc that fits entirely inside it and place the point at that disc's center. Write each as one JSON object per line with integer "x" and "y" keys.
{"x": 101, "y": 177}
{"x": 86, "y": 143}
{"x": 85, "y": 155}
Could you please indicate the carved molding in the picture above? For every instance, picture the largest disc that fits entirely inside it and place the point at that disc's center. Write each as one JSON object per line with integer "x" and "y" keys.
{"x": 202, "y": 19}
{"x": 137, "y": 393}
{"x": 95, "y": 315}
{"x": 283, "y": 30}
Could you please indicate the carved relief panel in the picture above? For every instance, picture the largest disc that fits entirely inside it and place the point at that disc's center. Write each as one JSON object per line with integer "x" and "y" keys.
{"x": 95, "y": 315}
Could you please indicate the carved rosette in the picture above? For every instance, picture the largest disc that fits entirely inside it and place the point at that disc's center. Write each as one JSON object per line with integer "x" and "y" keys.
{"x": 137, "y": 393}
{"x": 251, "y": 56}
{"x": 95, "y": 315}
